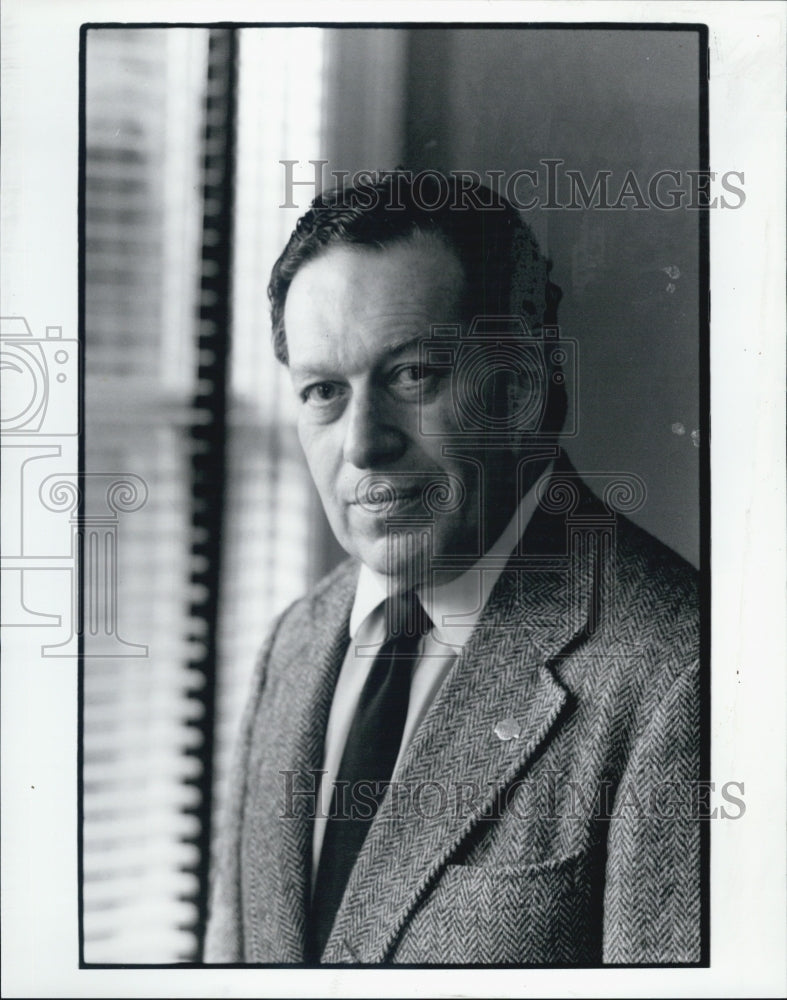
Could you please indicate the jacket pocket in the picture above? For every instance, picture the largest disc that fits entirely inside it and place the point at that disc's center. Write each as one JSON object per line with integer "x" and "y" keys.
{"x": 530, "y": 914}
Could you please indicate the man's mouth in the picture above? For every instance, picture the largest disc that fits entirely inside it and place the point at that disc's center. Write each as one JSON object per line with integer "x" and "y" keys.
{"x": 383, "y": 496}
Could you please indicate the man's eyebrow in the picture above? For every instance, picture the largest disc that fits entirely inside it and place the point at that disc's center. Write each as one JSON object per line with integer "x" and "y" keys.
{"x": 389, "y": 351}
{"x": 307, "y": 371}
{"x": 394, "y": 350}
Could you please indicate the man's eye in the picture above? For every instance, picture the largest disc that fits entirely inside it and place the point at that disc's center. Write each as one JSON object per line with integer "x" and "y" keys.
{"x": 409, "y": 375}
{"x": 320, "y": 392}
{"x": 414, "y": 381}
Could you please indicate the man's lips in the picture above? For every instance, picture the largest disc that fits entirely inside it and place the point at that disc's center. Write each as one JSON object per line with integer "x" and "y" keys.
{"x": 383, "y": 495}
{"x": 438, "y": 492}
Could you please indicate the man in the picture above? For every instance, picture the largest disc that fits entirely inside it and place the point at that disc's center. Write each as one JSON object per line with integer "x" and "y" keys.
{"x": 475, "y": 741}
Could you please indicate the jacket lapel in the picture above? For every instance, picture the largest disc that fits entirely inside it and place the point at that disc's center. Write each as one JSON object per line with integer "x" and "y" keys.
{"x": 498, "y": 704}
{"x": 278, "y": 821}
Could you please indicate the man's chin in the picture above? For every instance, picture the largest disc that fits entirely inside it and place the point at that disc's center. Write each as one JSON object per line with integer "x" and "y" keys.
{"x": 409, "y": 559}
{"x": 400, "y": 570}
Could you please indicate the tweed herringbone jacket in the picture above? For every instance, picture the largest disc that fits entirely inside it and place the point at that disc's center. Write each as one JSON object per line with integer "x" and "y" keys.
{"x": 545, "y": 810}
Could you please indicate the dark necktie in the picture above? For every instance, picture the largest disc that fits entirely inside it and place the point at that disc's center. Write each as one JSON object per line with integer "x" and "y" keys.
{"x": 370, "y": 753}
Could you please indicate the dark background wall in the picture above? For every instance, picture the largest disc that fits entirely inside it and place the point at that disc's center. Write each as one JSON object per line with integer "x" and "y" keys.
{"x": 618, "y": 100}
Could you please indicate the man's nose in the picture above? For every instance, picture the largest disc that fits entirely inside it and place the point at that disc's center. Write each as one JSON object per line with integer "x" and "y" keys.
{"x": 373, "y": 437}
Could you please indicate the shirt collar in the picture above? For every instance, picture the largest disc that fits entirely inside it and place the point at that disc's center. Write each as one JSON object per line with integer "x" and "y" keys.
{"x": 455, "y": 606}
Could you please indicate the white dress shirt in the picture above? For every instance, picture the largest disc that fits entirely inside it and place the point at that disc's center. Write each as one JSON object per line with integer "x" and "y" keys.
{"x": 454, "y": 608}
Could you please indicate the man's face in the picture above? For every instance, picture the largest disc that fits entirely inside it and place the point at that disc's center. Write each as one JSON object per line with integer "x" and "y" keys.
{"x": 355, "y": 317}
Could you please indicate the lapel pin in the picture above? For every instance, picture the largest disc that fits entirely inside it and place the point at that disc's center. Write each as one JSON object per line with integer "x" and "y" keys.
{"x": 508, "y": 729}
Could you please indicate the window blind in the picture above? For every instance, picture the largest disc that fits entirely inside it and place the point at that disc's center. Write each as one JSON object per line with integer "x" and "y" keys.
{"x": 143, "y": 101}
{"x": 208, "y": 427}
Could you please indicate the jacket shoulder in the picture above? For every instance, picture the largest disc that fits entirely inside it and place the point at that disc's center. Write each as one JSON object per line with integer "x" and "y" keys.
{"x": 648, "y": 637}
{"x": 327, "y": 603}
{"x": 332, "y": 589}
{"x": 652, "y": 575}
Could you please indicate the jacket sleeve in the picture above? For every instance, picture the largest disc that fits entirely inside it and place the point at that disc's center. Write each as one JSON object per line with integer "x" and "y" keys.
{"x": 224, "y": 932}
{"x": 652, "y": 903}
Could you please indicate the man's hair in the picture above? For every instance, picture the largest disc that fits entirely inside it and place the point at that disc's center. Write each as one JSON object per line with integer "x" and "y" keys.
{"x": 504, "y": 270}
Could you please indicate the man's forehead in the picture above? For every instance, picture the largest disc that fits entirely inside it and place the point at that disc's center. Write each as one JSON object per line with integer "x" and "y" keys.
{"x": 417, "y": 264}
{"x": 387, "y": 298}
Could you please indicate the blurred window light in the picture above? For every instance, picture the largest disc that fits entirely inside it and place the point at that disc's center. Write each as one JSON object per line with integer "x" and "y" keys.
{"x": 269, "y": 497}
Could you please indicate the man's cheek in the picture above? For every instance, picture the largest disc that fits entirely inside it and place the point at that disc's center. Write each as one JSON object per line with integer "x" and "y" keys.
{"x": 316, "y": 449}
{"x": 436, "y": 416}
{"x": 304, "y": 436}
